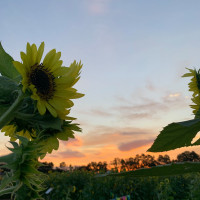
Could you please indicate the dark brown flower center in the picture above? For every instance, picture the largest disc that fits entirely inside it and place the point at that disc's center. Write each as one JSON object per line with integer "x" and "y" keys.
{"x": 43, "y": 80}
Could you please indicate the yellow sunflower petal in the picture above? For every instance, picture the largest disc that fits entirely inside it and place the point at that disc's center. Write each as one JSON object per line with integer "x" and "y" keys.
{"x": 69, "y": 93}
{"x": 62, "y": 114}
{"x": 34, "y": 53}
{"x": 54, "y": 60}
{"x": 40, "y": 53}
{"x": 50, "y": 56}
{"x": 64, "y": 103}
{"x": 69, "y": 118}
{"x": 41, "y": 107}
{"x": 61, "y": 71}
{"x": 29, "y": 54}
{"x": 20, "y": 68}
{"x": 51, "y": 109}
{"x": 25, "y": 61}
{"x": 56, "y": 67}
{"x": 67, "y": 81}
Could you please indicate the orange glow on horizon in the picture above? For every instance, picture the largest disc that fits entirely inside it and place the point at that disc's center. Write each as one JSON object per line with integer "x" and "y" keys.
{"x": 110, "y": 152}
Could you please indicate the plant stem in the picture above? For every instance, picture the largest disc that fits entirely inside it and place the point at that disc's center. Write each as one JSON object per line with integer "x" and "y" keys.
{"x": 9, "y": 114}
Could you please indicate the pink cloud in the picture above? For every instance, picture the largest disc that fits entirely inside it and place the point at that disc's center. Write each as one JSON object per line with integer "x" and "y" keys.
{"x": 97, "y": 7}
{"x": 72, "y": 142}
{"x": 127, "y": 146}
{"x": 70, "y": 154}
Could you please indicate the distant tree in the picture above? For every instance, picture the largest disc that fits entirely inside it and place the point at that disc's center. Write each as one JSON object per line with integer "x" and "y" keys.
{"x": 123, "y": 165}
{"x": 70, "y": 167}
{"x": 58, "y": 169}
{"x": 188, "y": 156}
{"x": 150, "y": 161}
{"x": 116, "y": 162}
{"x": 147, "y": 161}
{"x": 130, "y": 163}
{"x": 46, "y": 167}
{"x": 63, "y": 165}
{"x": 164, "y": 159}
{"x": 93, "y": 166}
{"x": 103, "y": 166}
{"x": 89, "y": 167}
{"x": 82, "y": 168}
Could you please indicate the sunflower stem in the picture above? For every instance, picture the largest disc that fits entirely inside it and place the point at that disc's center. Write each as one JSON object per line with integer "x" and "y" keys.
{"x": 9, "y": 114}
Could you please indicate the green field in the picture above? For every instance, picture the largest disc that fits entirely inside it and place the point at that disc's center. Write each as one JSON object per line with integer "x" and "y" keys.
{"x": 79, "y": 185}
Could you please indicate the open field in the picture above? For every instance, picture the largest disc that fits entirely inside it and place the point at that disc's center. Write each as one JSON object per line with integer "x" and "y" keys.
{"x": 80, "y": 185}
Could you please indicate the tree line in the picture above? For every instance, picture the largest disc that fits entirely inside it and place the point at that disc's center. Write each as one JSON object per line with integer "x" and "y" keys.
{"x": 118, "y": 164}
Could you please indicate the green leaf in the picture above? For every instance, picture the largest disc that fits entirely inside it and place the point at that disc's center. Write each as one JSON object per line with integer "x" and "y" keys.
{"x": 163, "y": 170}
{"x": 176, "y": 135}
{"x": 6, "y": 66}
{"x": 7, "y": 158}
{"x": 50, "y": 122}
{"x": 28, "y": 169}
{"x": 45, "y": 122}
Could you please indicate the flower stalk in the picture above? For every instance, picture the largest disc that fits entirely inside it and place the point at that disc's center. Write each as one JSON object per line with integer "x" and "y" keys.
{"x": 38, "y": 118}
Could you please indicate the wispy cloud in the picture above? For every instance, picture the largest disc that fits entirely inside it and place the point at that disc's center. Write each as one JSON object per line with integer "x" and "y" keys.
{"x": 113, "y": 136}
{"x": 97, "y": 7}
{"x": 134, "y": 144}
{"x": 72, "y": 142}
{"x": 70, "y": 154}
{"x": 149, "y": 85}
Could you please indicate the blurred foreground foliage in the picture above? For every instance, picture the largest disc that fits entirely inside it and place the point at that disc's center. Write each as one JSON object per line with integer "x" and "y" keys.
{"x": 82, "y": 185}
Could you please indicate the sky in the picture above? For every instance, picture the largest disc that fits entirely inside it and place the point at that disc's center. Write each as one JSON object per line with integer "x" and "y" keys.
{"x": 133, "y": 53}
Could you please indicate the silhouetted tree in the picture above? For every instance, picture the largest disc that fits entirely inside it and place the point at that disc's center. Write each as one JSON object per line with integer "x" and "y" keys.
{"x": 123, "y": 165}
{"x": 116, "y": 163}
{"x": 46, "y": 167}
{"x": 130, "y": 163}
{"x": 63, "y": 165}
{"x": 188, "y": 156}
{"x": 102, "y": 166}
{"x": 164, "y": 159}
{"x": 70, "y": 167}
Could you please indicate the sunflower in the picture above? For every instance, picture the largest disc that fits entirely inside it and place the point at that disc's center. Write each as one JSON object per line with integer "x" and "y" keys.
{"x": 12, "y": 132}
{"x": 49, "y": 82}
{"x": 194, "y": 86}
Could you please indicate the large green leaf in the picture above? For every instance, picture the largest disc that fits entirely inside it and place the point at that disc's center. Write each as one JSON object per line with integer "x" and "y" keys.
{"x": 6, "y": 66}
{"x": 163, "y": 170}
{"x": 176, "y": 135}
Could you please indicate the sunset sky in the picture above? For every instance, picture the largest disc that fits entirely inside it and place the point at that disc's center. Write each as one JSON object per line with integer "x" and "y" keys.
{"x": 133, "y": 53}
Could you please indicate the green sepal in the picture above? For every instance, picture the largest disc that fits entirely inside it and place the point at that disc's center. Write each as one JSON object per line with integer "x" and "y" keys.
{"x": 176, "y": 135}
{"x": 15, "y": 145}
{"x": 6, "y": 66}
{"x": 6, "y": 181}
{"x": 24, "y": 140}
{"x": 7, "y": 190}
{"x": 66, "y": 135}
